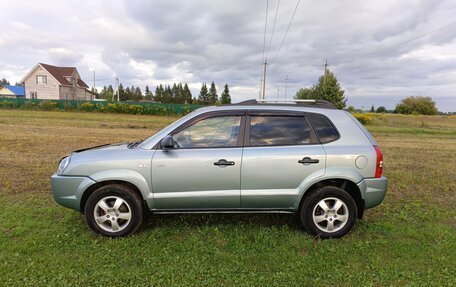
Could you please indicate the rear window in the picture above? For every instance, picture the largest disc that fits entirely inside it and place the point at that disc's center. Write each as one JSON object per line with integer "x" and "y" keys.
{"x": 278, "y": 130}
{"x": 323, "y": 127}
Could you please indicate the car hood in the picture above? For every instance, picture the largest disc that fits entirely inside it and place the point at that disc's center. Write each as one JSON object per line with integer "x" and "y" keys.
{"x": 109, "y": 146}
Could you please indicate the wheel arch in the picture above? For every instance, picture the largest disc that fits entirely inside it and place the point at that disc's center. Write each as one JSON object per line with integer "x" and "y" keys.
{"x": 91, "y": 189}
{"x": 349, "y": 186}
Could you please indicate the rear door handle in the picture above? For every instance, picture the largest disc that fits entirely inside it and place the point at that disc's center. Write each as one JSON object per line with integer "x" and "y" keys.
{"x": 308, "y": 160}
{"x": 223, "y": 162}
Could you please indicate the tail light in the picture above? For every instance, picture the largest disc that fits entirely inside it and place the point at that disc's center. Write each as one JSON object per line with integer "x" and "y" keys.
{"x": 379, "y": 166}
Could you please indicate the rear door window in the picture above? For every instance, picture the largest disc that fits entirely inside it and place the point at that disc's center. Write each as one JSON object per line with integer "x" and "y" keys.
{"x": 270, "y": 130}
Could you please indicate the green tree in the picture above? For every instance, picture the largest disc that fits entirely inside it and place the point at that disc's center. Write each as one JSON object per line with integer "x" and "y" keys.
{"x": 327, "y": 88}
{"x": 416, "y": 105}
{"x": 4, "y": 82}
{"x": 148, "y": 96}
{"x": 305, "y": 94}
{"x": 372, "y": 110}
{"x": 213, "y": 97}
{"x": 203, "y": 97}
{"x": 225, "y": 97}
{"x": 175, "y": 94}
{"x": 137, "y": 95}
{"x": 187, "y": 95}
{"x": 159, "y": 91}
{"x": 167, "y": 95}
{"x": 381, "y": 109}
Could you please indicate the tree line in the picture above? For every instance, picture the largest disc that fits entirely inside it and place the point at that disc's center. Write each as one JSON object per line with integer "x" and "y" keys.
{"x": 328, "y": 88}
{"x": 177, "y": 93}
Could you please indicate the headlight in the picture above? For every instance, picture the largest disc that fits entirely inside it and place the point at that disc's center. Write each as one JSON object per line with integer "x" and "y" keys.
{"x": 63, "y": 164}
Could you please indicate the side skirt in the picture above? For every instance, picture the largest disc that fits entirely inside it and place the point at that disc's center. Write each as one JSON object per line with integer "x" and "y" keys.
{"x": 182, "y": 211}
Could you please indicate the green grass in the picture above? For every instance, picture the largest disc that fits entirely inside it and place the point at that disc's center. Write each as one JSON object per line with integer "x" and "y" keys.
{"x": 408, "y": 240}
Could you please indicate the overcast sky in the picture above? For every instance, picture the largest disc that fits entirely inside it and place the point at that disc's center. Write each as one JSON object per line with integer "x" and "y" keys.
{"x": 380, "y": 51}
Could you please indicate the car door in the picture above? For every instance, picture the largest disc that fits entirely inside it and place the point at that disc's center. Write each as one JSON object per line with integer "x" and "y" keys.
{"x": 203, "y": 170}
{"x": 281, "y": 150}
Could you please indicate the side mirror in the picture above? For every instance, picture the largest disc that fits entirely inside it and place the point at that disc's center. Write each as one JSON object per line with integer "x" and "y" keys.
{"x": 167, "y": 142}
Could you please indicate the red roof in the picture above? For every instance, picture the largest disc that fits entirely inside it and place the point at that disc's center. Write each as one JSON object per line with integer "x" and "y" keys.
{"x": 59, "y": 73}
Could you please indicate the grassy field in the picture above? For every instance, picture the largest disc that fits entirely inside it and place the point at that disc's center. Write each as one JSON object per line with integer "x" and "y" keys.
{"x": 408, "y": 240}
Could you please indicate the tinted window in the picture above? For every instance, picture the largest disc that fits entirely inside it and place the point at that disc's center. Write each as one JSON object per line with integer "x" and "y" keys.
{"x": 210, "y": 132}
{"x": 323, "y": 127}
{"x": 278, "y": 130}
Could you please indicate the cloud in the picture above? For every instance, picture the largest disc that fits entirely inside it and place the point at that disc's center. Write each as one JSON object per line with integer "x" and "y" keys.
{"x": 378, "y": 50}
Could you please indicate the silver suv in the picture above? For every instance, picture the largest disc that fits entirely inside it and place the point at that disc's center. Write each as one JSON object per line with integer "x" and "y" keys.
{"x": 305, "y": 158}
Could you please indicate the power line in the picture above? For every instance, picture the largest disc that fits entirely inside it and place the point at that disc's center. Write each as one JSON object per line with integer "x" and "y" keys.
{"x": 391, "y": 48}
{"x": 288, "y": 28}
{"x": 273, "y": 28}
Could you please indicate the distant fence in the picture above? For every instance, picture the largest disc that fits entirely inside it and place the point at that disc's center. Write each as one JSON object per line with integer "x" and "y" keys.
{"x": 137, "y": 108}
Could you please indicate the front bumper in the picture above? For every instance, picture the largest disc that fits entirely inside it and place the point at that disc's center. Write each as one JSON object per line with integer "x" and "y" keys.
{"x": 373, "y": 191}
{"x": 67, "y": 190}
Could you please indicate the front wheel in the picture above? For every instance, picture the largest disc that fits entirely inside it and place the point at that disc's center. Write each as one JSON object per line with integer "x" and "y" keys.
{"x": 329, "y": 212}
{"x": 114, "y": 211}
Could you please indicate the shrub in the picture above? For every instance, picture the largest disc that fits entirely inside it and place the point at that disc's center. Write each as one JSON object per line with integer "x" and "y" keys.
{"x": 30, "y": 105}
{"x": 101, "y": 108}
{"x": 135, "y": 109}
{"x": 186, "y": 110}
{"x": 161, "y": 110}
{"x": 8, "y": 104}
{"x": 364, "y": 119}
{"x": 87, "y": 107}
{"x": 381, "y": 109}
{"x": 48, "y": 105}
{"x": 416, "y": 106}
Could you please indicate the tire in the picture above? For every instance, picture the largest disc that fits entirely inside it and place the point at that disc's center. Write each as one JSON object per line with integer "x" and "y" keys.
{"x": 319, "y": 217}
{"x": 113, "y": 211}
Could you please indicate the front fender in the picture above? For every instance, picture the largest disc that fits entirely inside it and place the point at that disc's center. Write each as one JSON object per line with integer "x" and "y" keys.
{"x": 330, "y": 173}
{"x": 130, "y": 176}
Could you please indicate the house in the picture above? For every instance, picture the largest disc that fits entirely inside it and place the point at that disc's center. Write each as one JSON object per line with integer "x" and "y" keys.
{"x": 11, "y": 91}
{"x": 55, "y": 83}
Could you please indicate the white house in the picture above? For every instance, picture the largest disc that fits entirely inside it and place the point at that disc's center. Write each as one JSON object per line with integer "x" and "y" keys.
{"x": 55, "y": 83}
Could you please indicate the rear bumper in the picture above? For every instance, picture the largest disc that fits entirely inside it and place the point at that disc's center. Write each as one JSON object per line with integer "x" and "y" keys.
{"x": 373, "y": 191}
{"x": 67, "y": 190}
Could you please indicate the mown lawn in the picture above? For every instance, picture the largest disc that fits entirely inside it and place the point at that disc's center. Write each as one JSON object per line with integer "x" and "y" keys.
{"x": 408, "y": 240}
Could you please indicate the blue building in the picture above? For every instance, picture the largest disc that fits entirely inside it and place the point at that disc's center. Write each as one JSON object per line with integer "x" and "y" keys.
{"x": 11, "y": 91}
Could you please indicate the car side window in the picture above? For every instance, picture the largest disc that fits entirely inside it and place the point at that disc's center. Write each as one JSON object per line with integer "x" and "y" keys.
{"x": 279, "y": 130}
{"x": 218, "y": 131}
{"x": 323, "y": 127}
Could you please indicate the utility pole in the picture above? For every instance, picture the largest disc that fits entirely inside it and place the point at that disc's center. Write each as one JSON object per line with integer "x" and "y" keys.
{"x": 117, "y": 89}
{"x": 278, "y": 89}
{"x": 286, "y": 85}
{"x": 94, "y": 81}
{"x": 264, "y": 77}
{"x": 326, "y": 71}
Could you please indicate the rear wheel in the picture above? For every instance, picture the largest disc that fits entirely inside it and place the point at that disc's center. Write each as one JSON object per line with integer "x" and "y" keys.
{"x": 113, "y": 210}
{"x": 328, "y": 212}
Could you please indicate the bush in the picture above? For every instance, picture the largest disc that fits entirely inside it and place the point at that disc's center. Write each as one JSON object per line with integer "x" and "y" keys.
{"x": 8, "y": 105}
{"x": 48, "y": 105}
{"x": 364, "y": 119}
{"x": 416, "y": 106}
{"x": 135, "y": 109}
{"x": 103, "y": 107}
{"x": 30, "y": 105}
{"x": 87, "y": 107}
{"x": 381, "y": 109}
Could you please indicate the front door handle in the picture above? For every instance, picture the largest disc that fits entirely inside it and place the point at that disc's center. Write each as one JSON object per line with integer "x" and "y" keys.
{"x": 223, "y": 162}
{"x": 308, "y": 160}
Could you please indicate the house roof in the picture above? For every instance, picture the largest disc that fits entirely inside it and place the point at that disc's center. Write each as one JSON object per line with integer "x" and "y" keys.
{"x": 17, "y": 90}
{"x": 59, "y": 73}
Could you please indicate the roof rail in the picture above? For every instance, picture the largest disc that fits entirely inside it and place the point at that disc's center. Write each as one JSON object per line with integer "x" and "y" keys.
{"x": 309, "y": 103}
